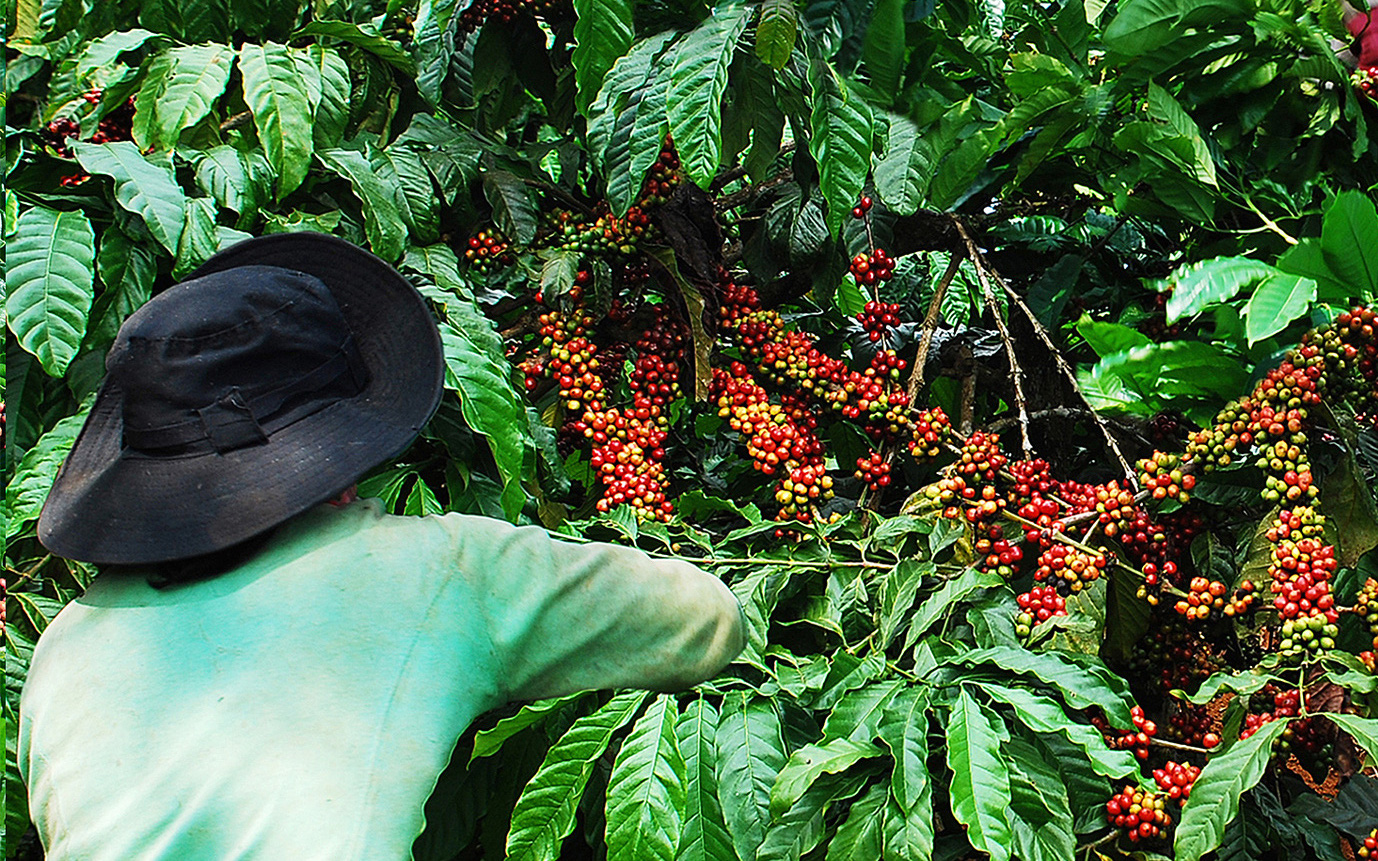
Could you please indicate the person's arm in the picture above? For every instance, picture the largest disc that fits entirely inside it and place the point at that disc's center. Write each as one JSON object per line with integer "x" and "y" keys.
{"x": 565, "y": 617}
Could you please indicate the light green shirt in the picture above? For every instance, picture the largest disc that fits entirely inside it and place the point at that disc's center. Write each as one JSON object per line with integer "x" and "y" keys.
{"x": 302, "y": 705}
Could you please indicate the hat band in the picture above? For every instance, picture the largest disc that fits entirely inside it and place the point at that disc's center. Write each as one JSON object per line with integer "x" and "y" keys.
{"x": 233, "y": 421}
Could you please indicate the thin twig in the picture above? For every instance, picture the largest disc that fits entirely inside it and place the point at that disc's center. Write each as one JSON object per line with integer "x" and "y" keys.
{"x": 237, "y": 121}
{"x": 930, "y": 324}
{"x": 1071, "y": 376}
{"x": 1270, "y": 224}
{"x": 1015, "y": 372}
{"x": 30, "y": 574}
{"x": 1090, "y": 847}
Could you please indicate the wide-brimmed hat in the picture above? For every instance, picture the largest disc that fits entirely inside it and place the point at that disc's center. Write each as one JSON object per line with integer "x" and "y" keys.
{"x": 278, "y": 372}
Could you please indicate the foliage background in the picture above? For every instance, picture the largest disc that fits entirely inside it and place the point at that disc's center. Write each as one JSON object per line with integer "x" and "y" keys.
{"x": 1094, "y": 156}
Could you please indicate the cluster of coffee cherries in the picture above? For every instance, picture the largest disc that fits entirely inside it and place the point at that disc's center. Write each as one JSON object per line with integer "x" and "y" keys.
{"x": 1366, "y": 608}
{"x": 1365, "y": 80}
{"x": 981, "y": 457}
{"x": 1369, "y": 847}
{"x": 1141, "y": 815}
{"x": 862, "y": 207}
{"x": 1072, "y": 566}
{"x": 487, "y": 250}
{"x": 1177, "y": 655}
{"x": 879, "y": 318}
{"x": 1176, "y": 779}
{"x": 1039, "y": 604}
{"x": 1267, "y": 705}
{"x": 1135, "y": 740}
{"x": 506, "y": 11}
{"x": 114, "y": 126}
{"x": 872, "y": 268}
{"x": 662, "y": 178}
{"x": 636, "y": 432}
{"x": 1301, "y": 566}
{"x": 1163, "y": 478}
{"x": 1193, "y": 725}
{"x": 793, "y": 362}
{"x": 932, "y": 429}
{"x": 873, "y": 469}
{"x": 1206, "y": 596}
{"x": 780, "y": 439}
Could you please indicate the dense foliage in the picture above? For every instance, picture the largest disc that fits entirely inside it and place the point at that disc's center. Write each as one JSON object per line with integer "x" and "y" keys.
{"x": 1011, "y": 361}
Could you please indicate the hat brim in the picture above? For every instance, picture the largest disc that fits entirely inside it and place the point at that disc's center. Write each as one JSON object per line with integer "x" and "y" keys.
{"x": 113, "y": 505}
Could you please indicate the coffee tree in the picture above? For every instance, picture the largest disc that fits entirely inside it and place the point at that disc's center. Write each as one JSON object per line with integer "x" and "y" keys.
{"x": 1013, "y": 362}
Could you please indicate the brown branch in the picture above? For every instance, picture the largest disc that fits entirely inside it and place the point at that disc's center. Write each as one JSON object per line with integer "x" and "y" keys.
{"x": 237, "y": 121}
{"x": 1130, "y": 476}
{"x": 742, "y": 195}
{"x": 930, "y": 324}
{"x": 1015, "y": 371}
{"x": 736, "y": 172}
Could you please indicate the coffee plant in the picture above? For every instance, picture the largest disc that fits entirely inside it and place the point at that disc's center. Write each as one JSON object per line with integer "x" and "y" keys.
{"x": 1014, "y": 363}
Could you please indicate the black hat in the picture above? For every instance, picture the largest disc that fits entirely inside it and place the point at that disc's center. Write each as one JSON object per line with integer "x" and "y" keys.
{"x": 277, "y": 373}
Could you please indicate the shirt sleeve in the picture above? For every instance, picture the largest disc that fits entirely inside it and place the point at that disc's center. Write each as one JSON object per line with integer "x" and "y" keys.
{"x": 565, "y": 617}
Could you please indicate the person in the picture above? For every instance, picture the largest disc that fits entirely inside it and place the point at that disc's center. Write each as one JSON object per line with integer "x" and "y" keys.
{"x": 255, "y": 675}
{"x": 1363, "y": 26}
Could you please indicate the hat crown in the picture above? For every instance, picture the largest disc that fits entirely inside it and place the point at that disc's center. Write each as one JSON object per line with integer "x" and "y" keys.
{"x": 219, "y": 358}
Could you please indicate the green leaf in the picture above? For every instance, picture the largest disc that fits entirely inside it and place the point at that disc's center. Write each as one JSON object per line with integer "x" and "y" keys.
{"x": 1229, "y": 680}
{"x": 944, "y": 601}
{"x": 237, "y": 180}
{"x": 331, "y": 110}
{"x": 143, "y": 187}
{"x": 545, "y": 812}
{"x": 1040, "y": 816}
{"x": 697, "y": 81}
{"x": 489, "y": 741}
{"x": 490, "y": 404}
{"x": 811, "y": 761}
{"x": 276, "y": 93}
{"x": 776, "y": 32}
{"x": 105, "y": 51}
{"x": 1349, "y": 237}
{"x": 802, "y": 828}
{"x": 1045, "y": 715}
{"x": 441, "y": 265}
{"x": 1307, "y": 258}
{"x": 900, "y": 171}
{"x": 421, "y": 500}
{"x": 621, "y": 135}
{"x": 1196, "y": 285}
{"x": 980, "y": 789}
{"x": 646, "y": 791}
{"x": 48, "y": 284}
{"x": 1279, "y": 300}
{"x": 841, "y": 144}
{"x": 883, "y": 50}
{"x": 1215, "y": 795}
{"x": 402, "y": 170}
{"x": 750, "y": 754}
{"x": 1081, "y": 687}
{"x": 25, "y": 493}
{"x": 904, "y": 730}
{"x": 602, "y": 33}
{"x": 558, "y": 272}
{"x": 704, "y": 836}
{"x": 200, "y": 238}
{"x": 957, "y": 170}
{"x": 514, "y": 207}
{"x": 362, "y": 36}
{"x": 387, "y": 233}
{"x": 1165, "y": 109}
{"x": 861, "y": 836}
{"x": 1108, "y": 338}
{"x": 1364, "y": 730}
{"x": 195, "y": 77}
